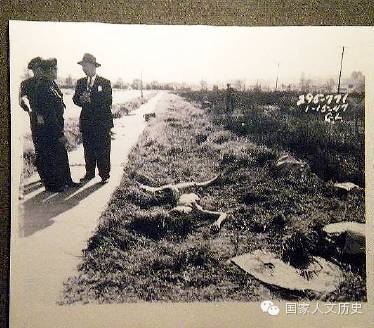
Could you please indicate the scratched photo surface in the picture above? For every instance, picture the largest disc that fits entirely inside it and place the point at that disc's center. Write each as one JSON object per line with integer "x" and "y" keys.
{"x": 192, "y": 164}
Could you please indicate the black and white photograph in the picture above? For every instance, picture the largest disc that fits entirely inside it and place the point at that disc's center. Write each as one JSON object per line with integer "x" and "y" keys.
{"x": 188, "y": 164}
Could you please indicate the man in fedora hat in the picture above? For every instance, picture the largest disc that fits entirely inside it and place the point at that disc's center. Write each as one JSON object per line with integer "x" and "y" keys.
{"x": 94, "y": 94}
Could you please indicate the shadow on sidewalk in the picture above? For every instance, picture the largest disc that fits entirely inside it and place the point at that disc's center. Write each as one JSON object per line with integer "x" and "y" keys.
{"x": 39, "y": 210}
{"x": 32, "y": 186}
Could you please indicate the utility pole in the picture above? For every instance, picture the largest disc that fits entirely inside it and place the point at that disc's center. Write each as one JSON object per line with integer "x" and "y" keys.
{"x": 141, "y": 84}
{"x": 341, "y": 67}
{"x": 276, "y": 81}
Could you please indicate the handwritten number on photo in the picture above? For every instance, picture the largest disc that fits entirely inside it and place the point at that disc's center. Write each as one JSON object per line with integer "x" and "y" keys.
{"x": 301, "y": 100}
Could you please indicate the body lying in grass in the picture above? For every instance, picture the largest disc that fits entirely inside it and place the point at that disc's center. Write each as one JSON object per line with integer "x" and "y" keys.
{"x": 188, "y": 203}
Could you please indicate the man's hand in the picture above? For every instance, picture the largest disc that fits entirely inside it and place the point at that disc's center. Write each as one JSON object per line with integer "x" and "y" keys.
{"x": 85, "y": 97}
{"x": 63, "y": 140}
{"x": 24, "y": 103}
{"x": 39, "y": 119}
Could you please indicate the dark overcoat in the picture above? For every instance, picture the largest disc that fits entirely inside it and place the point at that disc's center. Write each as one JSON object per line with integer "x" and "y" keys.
{"x": 95, "y": 123}
{"x": 51, "y": 153}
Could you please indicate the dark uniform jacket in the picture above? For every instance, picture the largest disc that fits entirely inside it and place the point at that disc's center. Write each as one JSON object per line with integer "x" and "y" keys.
{"x": 28, "y": 89}
{"x": 49, "y": 104}
{"x": 96, "y": 116}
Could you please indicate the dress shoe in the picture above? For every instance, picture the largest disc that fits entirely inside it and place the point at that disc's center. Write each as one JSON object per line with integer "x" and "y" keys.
{"x": 73, "y": 184}
{"x": 55, "y": 189}
{"x": 105, "y": 179}
{"x": 87, "y": 177}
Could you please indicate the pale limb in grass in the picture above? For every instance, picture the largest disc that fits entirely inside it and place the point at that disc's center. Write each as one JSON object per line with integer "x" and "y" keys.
{"x": 222, "y": 216}
{"x": 181, "y": 185}
{"x": 186, "y": 203}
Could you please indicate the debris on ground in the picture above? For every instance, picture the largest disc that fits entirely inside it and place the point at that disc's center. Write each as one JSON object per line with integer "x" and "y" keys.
{"x": 346, "y": 186}
{"x": 206, "y": 104}
{"x": 148, "y": 116}
{"x": 286, "y": 163}
{"x": 321, "y": 275}
{"x": 352, "y": 232}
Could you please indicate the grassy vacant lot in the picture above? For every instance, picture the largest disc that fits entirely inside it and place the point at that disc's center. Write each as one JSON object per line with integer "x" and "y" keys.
{"x": 334, "y": 151}
{"x": 142, "y": 252}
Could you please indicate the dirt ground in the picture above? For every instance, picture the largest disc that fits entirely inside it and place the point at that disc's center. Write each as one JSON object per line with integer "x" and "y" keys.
{"x": 141, "y": 251}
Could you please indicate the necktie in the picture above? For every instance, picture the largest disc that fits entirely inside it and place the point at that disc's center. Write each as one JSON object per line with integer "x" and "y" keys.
{"x": 89, "y": 84}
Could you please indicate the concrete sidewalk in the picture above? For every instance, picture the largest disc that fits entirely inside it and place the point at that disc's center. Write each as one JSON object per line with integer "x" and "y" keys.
{"x": 52, "y": 228}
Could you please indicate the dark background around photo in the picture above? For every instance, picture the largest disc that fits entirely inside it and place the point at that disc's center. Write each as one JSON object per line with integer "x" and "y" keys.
{"x": 245, "y": 13}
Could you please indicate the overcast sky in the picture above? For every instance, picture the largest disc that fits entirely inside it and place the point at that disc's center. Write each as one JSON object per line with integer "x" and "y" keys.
{"x": 193, "y": 53}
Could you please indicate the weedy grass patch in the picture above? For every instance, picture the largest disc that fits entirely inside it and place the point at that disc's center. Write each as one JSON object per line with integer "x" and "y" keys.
{"x": 334, "y": 151}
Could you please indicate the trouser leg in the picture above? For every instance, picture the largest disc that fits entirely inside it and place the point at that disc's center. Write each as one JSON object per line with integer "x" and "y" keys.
{"x": 38, "y": 161}
{"x": 103, "y": 155}
{"x": 53, "y": 171}
{"x": 62, "y": 163}
{"x": 89, "y": 153}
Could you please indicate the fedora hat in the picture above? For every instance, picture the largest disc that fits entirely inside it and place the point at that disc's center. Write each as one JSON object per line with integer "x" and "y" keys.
{"x": 88, "y": 58}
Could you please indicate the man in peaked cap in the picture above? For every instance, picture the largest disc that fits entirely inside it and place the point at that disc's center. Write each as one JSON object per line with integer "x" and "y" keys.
{"x": 27, "y": 103}
{"x": 49, "y": 107}
{"x": 94, "y": 94}
{"x": 28, "y": 85}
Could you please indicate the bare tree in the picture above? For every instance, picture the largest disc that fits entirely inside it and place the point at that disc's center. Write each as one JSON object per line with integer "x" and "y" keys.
{"x": 238, "y": 85}
{"x": 330, "y": 84}
{"x": 119, "y": 84}
{"x": 304, "y": 83}
{"x": 204, "y": 85}
{"x": 69, "y": 82}
{"x": 357, "y": 81}
{"x": 136, "y": 84}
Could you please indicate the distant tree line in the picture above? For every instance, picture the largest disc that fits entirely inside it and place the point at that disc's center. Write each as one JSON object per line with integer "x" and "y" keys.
{"x": 355, "y": 83}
